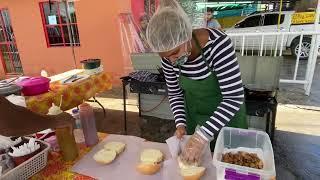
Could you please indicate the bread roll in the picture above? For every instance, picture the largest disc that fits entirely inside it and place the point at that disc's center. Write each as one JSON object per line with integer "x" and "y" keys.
{"x": 150, "y": 161}
{"x": 105, "y": 156}
{"x": 116, "y": 146}
{"x": 190, "y": 172}
{"x": 184, "y": 166}
{"x": 151, "y": 155}
{"x": 148, "y": 168}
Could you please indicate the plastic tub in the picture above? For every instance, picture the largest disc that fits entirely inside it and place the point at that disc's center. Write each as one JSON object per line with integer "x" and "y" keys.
{"x": 30, "y": 167}
{"x": 34, "y": 86}
{"x": 233, "y": 138}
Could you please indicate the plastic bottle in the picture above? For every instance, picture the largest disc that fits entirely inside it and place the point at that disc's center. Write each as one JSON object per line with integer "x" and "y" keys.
{"x": 54, "y": 110}
{"x": 78, "y": 132}
{"x": 76, "y": 116}
{"x": 67, "y": 144}
{"x": 88, "y": 123}
{"x": 44, "y": 73}
{"x": 65, "y": 137}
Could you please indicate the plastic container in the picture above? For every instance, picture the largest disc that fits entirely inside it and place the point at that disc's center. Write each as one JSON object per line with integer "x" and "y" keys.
{"x": 19, "y": 160}
{"x": 34, "y": 86}
{"x": 78, "y": 132}
{"x": 30, "y": 167}
{"x": 232, "y": 138}
{"x": 76, "y": 116}
{"x": 88, "y": 123}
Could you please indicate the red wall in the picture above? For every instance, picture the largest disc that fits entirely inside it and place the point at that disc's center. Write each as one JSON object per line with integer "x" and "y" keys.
{"x": 137, "y": 7}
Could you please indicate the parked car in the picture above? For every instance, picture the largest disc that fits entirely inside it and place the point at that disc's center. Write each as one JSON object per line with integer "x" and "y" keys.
{"x": 268, "y": 22}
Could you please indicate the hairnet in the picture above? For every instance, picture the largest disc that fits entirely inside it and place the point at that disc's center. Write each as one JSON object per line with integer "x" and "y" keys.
{"x": 169, "y": 3}
{"x": 169, "y": 27}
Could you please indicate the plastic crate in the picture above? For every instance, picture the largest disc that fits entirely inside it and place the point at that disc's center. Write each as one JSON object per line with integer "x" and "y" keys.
{"x": 31, "y": 166}
{"x": 233, "y": 138}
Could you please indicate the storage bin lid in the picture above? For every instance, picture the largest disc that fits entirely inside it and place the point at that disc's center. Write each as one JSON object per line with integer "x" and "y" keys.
{"x": 34, "y": 81}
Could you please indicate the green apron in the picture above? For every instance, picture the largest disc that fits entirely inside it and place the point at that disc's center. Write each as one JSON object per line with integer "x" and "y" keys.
{"x": 202, "y": 97}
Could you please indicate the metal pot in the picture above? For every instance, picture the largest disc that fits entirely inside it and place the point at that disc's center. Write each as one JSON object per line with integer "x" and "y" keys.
{"x": 91, "y": 63}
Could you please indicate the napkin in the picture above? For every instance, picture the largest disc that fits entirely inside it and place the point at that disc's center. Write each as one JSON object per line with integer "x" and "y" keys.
{"x": 6, "y": 142}
{"x": 25, "y": 149}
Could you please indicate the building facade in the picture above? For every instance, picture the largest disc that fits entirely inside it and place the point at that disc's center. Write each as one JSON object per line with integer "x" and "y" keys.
{"x": 36, "y": 35}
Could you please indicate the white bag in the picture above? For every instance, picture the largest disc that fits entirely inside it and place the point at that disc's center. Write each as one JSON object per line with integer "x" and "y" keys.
{"x": 17, "y": 100}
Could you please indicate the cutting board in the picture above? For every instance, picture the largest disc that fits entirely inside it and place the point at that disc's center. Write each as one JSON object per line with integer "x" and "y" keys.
{"x": 124, "y": 166}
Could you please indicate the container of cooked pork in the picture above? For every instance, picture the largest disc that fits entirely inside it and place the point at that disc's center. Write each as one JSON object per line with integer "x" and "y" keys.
{"x": 244, "y": 154}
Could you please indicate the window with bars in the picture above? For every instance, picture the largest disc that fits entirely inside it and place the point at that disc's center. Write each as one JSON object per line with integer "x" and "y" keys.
{"x": 8, "y": 49}
{"x": 60, "y": 23}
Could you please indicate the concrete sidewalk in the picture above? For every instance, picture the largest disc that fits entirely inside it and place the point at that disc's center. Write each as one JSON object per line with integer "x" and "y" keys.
{"x": 297, "y": 143}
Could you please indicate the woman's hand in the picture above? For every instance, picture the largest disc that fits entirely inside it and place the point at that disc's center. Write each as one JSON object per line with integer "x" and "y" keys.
{"x": 180, "y": 131}
{"x": 192, "y": 152}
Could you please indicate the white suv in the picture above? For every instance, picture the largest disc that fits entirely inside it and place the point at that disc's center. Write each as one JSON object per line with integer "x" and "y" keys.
{"x": 268, "y": 22}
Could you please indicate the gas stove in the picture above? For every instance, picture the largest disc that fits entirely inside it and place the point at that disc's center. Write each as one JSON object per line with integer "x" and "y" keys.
{"x": 156, "y": 86}
{"x": 261, "y": 109}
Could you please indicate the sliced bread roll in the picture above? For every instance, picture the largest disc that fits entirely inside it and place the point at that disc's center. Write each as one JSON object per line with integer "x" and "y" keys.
{"x": 148, "y": 168}
{"x": 105, "y": 156}
{"x": 116, "y": 146}
{"x": 151, "y": 155}
{"x": 190, "y": 171}
{"x": 150, "y": 161}
{"x": 185, "y": 166}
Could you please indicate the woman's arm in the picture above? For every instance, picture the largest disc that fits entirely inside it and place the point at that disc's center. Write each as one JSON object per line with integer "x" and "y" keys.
{"x": 19, "y": 121}
{"x": 224, "y": 62}
{"x": 175, "y": 94}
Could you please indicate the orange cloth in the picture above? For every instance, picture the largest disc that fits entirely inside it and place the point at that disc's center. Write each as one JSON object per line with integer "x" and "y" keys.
{"x": 57, "y": 169}
{"x": 73, "y": 94}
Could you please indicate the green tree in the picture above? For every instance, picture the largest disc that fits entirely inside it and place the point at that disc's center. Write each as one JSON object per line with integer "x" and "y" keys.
{"x": 195, "y": 14}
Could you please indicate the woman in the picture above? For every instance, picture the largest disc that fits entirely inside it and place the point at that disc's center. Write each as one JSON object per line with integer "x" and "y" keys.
{"x": 202, "y": 75}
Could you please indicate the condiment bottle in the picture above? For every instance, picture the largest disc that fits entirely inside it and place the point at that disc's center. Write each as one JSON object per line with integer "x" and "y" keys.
{"x": 78, "y": 132}
{"x": 88, "y": 123}
{"x": 67, "y": 144}
{"x": 65, "y": 137}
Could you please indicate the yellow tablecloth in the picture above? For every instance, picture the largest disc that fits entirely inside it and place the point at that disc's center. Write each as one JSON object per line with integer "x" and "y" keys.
{"x": 57, "y": 169}
{"x": 73, "y": 94}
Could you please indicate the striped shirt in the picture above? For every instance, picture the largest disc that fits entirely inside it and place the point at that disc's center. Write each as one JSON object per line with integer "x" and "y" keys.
{"x": 220, "y": 55}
